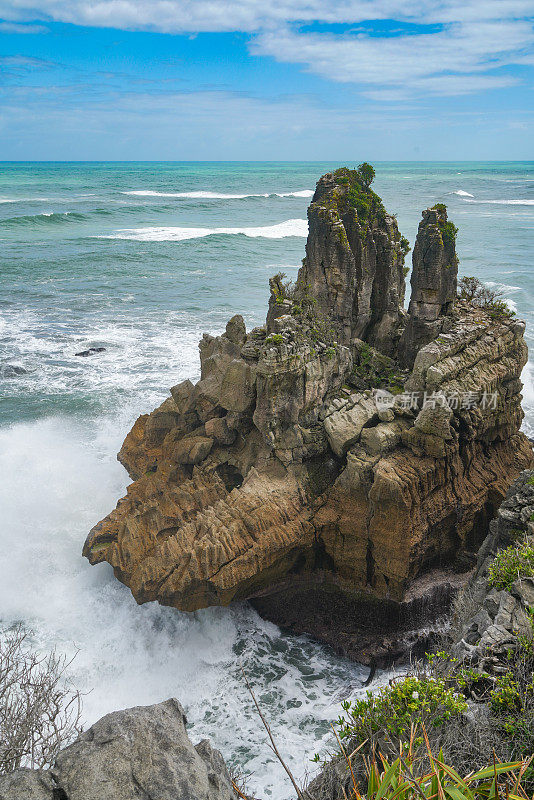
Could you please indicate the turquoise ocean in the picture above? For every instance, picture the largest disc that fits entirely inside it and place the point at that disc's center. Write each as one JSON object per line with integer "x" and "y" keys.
{"x": 141, "y": 259}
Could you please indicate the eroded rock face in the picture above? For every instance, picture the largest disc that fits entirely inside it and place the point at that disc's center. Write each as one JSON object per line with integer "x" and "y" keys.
{"x": 433, "y": 282}
{"x": 354, "y": 262}
{"x": 142, "y": 752}
{"x": 290, "y": 475}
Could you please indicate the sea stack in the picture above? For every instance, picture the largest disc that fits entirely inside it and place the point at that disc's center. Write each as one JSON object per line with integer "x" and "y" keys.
{"x": 433, "y": 282}
{"x": 354, "y": 262}
{"x": 337, "y": 466}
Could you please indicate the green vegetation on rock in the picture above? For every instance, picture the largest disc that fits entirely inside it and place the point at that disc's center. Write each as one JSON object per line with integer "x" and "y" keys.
{"x": 516, "y": 561}
{"x": 447, "y": 228}
{"x": 274, "y": 338}
{"x": 359, "y": 194}
{"x": 395, "y": 708}
{"x": 374, "y": 370}
{"x": 473, "y": 291}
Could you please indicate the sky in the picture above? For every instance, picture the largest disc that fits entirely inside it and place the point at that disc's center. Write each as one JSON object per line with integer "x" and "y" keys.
{"x": 259, "y": 80}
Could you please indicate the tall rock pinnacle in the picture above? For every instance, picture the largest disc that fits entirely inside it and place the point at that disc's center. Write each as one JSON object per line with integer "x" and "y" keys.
{"x": 354, "y": 260}
{"x": 433, "y": 282}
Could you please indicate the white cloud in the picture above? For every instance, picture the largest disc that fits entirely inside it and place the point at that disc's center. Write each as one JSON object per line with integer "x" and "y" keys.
{"x": 444, "y": 62}
{"x": 59, "y": 122}
{"x": 17, "y": 27}
{"x": 173, "y": 16}
{"x": 440, "y": 85}
{"x": 473, "y": 37}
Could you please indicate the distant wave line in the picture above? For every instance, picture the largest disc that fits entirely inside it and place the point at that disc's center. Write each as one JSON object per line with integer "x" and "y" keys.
{"x": 503, "y": 202}
{"x": 215, "y": 195}
{"x": 53, "y": 217}
{"x": 281, "y": 230}
{"x": 25, "y": 199}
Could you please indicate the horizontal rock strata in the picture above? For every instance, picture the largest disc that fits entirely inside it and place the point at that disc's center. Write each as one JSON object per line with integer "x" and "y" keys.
{"x": 316, "y": 454}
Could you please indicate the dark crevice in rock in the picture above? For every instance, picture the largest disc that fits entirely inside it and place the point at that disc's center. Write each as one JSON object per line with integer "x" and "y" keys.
{"x": 230, "y": 476}
{"x": 370, "y": 565}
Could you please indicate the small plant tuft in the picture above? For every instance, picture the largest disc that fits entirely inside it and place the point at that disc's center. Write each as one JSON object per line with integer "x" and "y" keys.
{"x": 473, "y": 291}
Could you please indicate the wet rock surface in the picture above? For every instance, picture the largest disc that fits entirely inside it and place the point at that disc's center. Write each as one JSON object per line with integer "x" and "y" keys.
{"x": 91, "y": 351}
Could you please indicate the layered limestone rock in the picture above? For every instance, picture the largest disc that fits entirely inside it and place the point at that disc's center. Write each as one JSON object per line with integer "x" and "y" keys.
{"x": 354, "y": 261}
{"x": 306, "y": 469}
{"x": 433, "y": 282}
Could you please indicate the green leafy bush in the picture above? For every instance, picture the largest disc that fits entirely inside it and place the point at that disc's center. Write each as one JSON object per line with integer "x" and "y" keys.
{"x": 274, "y": 338}
{"x": 449, "y": 232}
{"x": 393, "y": 710}
{"x": 367, "y": 174}
{"x": 516, "y": 561}
{"x": 376, "y": 370}
{"x": 505, "y": 697}
{"x": 359, "y": 196}
{"x": 499, "y": 309}
{"x": 405, "y": 245}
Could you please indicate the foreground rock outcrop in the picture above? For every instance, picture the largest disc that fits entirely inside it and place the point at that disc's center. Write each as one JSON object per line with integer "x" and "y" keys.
{"x": 485, "y": 655}
{"x": 142, "y": 752}
{"x": 496, "y": 618}
{"x": 340, "y": 462}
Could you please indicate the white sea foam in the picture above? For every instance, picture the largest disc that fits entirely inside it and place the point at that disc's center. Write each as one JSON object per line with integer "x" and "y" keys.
{"x": 303, "y": 193}
{"x": 193, "y": 195}
{"x": 75, "y": 198}
{"x": 512, "y": 305}
{"x": 461, "y": 193}
{"x": 503, "y": 202}
{"x": 215, "y": 195}
{"x": 503, "y": 287}
{"x": 60, "y": 476}
{"x": 291, "y": 227}
{"x": 25, "y": 199}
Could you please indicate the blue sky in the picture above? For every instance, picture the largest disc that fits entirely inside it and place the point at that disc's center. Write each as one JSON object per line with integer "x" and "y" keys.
{"x": 293, "y": 79}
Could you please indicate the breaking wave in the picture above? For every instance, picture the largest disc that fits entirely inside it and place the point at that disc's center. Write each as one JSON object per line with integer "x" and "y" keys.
{"x": 282, "y": 230}
{"x": 215, "y": 195}
{"x": 504, "y": 202}
{"x": 52, "y": 218}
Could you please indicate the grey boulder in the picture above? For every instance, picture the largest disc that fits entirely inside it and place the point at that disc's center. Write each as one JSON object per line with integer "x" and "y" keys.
{"x": 142, "y": 753}
{"x": 29, "y": 784}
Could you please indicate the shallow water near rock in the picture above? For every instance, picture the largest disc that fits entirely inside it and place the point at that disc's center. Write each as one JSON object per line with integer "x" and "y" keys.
{"x": 73, "y": 279}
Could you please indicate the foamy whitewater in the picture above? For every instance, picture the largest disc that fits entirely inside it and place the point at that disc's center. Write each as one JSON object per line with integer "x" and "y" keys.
{"x": 141, "y": 259}
{"x": 291, "y": 227}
